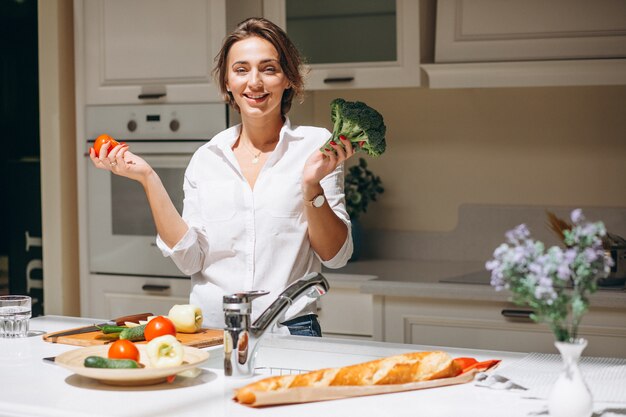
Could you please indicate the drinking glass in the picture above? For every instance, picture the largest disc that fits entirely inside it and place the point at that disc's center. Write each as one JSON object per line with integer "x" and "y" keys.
{"x": 15, "y": 312}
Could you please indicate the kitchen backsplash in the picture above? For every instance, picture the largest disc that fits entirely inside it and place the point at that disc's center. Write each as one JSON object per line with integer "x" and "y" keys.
{"x": 480, "y": 229}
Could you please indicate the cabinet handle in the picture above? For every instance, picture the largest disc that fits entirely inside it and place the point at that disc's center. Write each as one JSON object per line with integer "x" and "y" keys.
{"x": 150, "y": 96}
{"x": 153, "y": 287}
{"x": 518, "y": 314}
{"x": 338, "y": 80}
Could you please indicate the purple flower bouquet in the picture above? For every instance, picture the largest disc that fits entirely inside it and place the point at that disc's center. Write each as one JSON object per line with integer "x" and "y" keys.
{"x": 556, "y": 282}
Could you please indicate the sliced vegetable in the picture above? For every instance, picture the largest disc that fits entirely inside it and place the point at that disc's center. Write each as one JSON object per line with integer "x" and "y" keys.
{"x": 111, "y": 329}
{"x": 123, "y": 349}
{"x": 147, "y": 319}
{"x": 108, "y": 337}
{"x": 165, "y": 351}
{"x": 131, "y": 324}
{"x": 186, "y": 317}
{"x": 159, "y": 326}
{"x": 133, "y": 334}
{"x": 100, "y": 362}
{"x": 465, "y": 363}
{"x": 482, "y": 366}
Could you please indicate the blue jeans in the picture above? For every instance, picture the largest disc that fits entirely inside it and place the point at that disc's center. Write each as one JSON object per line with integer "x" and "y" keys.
{"x": 304, "y": 326}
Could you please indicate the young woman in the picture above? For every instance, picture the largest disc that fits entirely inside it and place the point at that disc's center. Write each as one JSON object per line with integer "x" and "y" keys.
{"x": 263, "y": 205}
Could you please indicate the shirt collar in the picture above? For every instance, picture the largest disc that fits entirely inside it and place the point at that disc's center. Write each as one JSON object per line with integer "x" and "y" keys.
{"x": 226, "y": 139}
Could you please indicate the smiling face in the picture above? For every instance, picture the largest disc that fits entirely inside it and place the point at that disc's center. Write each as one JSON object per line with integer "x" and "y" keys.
{"x": 255, "y": 78}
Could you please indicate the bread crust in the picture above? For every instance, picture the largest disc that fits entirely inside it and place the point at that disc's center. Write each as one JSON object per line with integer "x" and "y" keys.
{"x": 398, "y": 369}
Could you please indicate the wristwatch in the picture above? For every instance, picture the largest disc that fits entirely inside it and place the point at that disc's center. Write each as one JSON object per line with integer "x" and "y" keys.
{"x": 317, "y": 202}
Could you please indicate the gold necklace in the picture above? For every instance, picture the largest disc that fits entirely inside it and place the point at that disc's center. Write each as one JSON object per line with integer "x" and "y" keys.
{"x": 255, "y": 157}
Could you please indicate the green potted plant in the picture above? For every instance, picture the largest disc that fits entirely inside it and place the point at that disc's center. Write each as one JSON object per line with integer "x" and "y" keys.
{"x": 361, "y": 188}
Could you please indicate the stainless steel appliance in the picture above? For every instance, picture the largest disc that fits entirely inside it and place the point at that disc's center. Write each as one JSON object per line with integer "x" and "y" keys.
{"x": 121, "y": 230}
{"x": 615, "y": 248}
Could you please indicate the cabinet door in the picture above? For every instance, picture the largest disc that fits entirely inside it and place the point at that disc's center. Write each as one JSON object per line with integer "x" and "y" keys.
{"x": 522, "y": 30}
{"x": 353, "y": 43}
{"x": 345, "y": 311}
{"x": 485, "y": 325}
{"x": 138, "y": 51}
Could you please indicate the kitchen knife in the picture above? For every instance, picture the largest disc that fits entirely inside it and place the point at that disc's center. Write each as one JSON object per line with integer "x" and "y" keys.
{"x": 134, "y": 318}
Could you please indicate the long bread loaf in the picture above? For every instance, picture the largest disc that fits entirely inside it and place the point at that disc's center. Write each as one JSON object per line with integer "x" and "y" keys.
{"x": 398, "y": 369}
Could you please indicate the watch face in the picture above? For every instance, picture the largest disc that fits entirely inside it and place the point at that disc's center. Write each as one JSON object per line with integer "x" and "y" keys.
{"x": 319, "y": 201}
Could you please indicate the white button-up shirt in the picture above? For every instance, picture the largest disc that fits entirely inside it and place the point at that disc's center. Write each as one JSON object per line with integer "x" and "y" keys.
{"x": 243, "y": 239}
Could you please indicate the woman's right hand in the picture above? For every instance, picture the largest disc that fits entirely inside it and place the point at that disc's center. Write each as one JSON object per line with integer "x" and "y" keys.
{"x": 121, "y": 161}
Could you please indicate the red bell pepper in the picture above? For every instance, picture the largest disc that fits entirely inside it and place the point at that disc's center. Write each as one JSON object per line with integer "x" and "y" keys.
{"x": 467, "y": 364}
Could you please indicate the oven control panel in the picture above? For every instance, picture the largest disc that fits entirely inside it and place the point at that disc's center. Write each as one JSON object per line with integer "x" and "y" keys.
{"x": 157, "y": 121}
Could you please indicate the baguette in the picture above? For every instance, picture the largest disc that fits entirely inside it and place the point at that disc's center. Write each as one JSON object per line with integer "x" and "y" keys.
{"x": 398, "y": 369}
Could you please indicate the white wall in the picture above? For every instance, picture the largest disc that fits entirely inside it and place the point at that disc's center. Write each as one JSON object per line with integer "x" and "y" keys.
{"x": 527, "y": 146}
{"x": 58, "y": 157}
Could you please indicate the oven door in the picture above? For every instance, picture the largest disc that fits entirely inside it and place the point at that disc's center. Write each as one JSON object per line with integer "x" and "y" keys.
{"x": 122, "y": 234}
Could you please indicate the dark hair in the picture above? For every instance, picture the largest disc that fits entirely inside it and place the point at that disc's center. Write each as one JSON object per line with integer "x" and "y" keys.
{"x": 290, "y": 60}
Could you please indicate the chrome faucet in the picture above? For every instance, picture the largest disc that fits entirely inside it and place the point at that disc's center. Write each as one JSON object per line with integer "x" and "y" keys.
{"x": 241, "y": 338}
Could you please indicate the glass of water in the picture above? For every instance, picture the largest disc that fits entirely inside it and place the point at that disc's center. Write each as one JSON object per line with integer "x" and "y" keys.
{"x": 15, "y": 312}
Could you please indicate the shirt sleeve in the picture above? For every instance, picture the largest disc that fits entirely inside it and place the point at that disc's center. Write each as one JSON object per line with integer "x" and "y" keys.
{"x": 189, "y": 252}
{"x": 333, "y": 186}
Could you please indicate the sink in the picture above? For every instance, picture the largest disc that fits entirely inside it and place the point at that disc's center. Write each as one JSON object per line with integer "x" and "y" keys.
{"x": 291, "y": 354}
{"x": 285, "y": 354}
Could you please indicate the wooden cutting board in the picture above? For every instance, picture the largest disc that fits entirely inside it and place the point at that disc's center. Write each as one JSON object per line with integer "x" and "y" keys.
{"x": 202, "y": 338}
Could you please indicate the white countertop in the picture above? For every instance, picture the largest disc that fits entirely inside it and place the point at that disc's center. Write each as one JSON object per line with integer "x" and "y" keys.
{"x": 421, "y": 278}
{"x": 33, "y": 387}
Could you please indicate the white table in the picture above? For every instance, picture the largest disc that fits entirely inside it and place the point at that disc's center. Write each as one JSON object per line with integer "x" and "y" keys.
{"x": 31, "y": 386}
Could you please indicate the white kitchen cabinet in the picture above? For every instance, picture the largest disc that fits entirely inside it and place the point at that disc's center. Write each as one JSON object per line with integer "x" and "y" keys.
{"x": 147, "y": 51}
{"x": 522, "y": 30}
{"x": 115, "y": 296}
{"x": 480, "y": 325}
{"x": 514, "y": 43}
{"x": 351, "y": 43}
{"x": 344, "y": 311}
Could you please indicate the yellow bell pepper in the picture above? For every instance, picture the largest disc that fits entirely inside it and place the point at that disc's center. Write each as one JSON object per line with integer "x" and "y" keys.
{"x": 165, "y": 351}
{"x": 186, "y": 317}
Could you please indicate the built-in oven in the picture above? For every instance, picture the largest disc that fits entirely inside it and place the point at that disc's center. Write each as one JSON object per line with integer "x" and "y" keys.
{"x": 121, "y": 233}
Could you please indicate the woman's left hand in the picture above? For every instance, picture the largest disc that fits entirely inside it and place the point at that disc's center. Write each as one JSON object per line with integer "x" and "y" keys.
{"x": 320, "y": 164}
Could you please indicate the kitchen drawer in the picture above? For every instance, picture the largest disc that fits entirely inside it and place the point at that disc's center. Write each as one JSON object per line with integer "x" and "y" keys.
{"x": 113, "y": 296}
{"x": 481, "y": 325}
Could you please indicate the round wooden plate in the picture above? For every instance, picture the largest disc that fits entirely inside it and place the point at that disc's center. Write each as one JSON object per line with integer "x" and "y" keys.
{"x": 73, "y": 360}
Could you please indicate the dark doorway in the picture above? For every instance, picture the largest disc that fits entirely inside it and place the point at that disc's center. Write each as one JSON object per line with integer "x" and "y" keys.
{"x": 19, "y": 121}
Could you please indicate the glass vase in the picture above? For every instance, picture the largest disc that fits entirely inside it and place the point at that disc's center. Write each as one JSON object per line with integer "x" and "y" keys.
{"x": 570, "y": 395}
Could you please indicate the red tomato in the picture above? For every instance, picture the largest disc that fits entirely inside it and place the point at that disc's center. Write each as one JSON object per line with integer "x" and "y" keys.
{"x": 101, "y": 140}
{"x": 159, "y": 326}
{"x": 124, "y": 349}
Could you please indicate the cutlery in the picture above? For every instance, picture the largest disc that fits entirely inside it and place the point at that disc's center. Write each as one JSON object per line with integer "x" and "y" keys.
{"x": 119, "y": 321}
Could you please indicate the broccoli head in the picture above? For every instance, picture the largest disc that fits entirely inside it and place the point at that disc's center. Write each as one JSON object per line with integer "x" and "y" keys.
{"x": 360, "y": 124}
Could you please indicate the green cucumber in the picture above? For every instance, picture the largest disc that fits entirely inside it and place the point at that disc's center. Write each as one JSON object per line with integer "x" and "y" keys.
{"x": 100, "y": 362}
{"x": 108, "y": 336}
{"x": 133, "y": 334}
{"x": 112, "y": 329}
